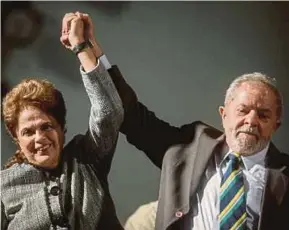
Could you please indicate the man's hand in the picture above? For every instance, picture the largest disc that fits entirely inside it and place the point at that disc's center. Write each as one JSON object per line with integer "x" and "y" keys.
{"x": 72, "y": 30}
{"x": 89, "y": 33}
{"x": 67, "y": 36}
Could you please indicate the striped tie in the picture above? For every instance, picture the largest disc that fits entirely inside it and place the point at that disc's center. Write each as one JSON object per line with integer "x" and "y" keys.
{"x": 233, "y": 198}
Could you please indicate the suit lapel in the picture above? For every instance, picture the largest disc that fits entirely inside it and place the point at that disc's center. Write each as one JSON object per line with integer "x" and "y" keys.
{"x": 194, "y": 163}
{"x": 277, "y": 184}
{"x": 187, "y": 173}
{"x": 206, "y": 149}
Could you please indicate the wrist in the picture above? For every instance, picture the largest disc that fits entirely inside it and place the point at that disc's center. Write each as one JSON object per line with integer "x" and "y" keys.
{"x": 96, "y": 48}
{"x": 97, "y": 51}
{"x": 77, "y": 41}
{"x": 87, "y": 59}
{"x": 80, "y": 47}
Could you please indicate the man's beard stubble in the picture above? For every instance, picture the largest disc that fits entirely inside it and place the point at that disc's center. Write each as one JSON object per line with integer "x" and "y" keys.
{"x": 246, "y": 145}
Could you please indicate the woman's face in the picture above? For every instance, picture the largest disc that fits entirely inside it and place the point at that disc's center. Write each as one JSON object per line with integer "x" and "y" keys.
{"x": 40, "y": 137}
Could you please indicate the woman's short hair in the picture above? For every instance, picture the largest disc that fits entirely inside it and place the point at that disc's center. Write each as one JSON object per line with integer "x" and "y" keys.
{"x": 41, "y": 94}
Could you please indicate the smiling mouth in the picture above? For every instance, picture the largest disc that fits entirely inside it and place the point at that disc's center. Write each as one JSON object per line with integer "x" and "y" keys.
{"x": 43, "y": 149}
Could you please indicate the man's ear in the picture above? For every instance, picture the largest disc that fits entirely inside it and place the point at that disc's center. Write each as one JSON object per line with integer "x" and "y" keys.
{"x": 222, "y": 112}
{"x": 278, "y": 124}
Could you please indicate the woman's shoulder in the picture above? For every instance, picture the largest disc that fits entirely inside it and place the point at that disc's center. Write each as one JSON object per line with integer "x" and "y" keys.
{"x": 19, "y": 174}
{"x": 15, "y": 168}
{"x": 18, "y": 183}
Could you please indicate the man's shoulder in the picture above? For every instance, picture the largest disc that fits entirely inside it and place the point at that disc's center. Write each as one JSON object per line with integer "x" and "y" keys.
{"x": 277, "y": 159}
{"x": 192, "y": 134}
{"x": 283, "y": 163}
{"x": 199, "y": 128}
{"x": 284, "y": 158}
{"x": 277, "y": 156}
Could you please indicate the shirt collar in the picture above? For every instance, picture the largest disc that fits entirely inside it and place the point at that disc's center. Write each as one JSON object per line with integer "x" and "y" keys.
{"x": 250, "y": 161}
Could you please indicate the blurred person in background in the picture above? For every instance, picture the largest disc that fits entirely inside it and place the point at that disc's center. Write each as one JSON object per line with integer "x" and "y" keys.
{"x": 143, "y": 218}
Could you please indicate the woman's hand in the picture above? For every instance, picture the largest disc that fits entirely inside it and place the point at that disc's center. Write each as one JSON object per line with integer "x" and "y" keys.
{"x": 77, "y": 28}
{"x": 72, "y": 30}
{"x": 88, "y": 31}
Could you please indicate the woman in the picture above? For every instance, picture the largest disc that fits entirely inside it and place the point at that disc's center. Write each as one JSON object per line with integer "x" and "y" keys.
{"x": 46, "y": 185}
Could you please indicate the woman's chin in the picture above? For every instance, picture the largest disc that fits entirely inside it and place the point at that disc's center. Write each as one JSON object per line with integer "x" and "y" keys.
{"x": 45, "y": 161}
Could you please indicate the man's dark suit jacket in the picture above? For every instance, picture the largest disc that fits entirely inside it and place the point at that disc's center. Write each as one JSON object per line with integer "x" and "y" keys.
{"x": 183, "y": 154}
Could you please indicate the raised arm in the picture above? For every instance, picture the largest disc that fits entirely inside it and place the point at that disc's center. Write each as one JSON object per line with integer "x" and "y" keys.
{"x": 143, "y": 128}
{"x": 106, "y": 113}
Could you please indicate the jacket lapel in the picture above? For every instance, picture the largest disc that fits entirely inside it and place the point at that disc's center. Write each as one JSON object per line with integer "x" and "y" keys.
{"x": 192, "y": 166}
{"x": 277, "y": 183}
{"x": 187, "y": 172}
{"x": 206, "y": 149}
{"x": 190, "y": 179}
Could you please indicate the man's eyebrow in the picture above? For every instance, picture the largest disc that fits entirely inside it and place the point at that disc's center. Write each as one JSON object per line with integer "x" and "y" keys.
{"x": 262, "y": 109}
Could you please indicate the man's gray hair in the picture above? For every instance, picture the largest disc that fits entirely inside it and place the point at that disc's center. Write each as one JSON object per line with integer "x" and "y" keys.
{"x": 257, "y": 77}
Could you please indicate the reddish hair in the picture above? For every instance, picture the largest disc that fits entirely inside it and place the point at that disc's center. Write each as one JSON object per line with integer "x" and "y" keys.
{"x": 31, "y": 92}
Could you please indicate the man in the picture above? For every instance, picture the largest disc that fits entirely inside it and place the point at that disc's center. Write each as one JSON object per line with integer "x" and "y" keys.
{"x": 195, "y": 158}
{"x": 214, "y": 180}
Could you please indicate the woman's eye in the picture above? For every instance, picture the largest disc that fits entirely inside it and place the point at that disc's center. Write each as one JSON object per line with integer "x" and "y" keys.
{"x": 27, "y": 132}
{"x": 47, "y": 127}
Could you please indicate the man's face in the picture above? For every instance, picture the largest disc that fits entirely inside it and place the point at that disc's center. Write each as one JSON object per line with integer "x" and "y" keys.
{"x": 250, "y": 117}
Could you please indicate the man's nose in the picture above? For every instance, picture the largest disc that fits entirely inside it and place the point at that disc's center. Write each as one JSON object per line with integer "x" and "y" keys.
{"x": 252, "y": 118}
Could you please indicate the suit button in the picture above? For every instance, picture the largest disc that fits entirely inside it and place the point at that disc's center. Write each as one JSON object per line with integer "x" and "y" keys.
{"x": 55, "y": 190}
{"x": 53, "y": 178}
{"x": 63, "y": 224}
{"x": 179, "y": 214}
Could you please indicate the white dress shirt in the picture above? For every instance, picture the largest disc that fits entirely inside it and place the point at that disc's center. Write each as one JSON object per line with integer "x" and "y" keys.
{"x": 206, "y": 206}
{"x": 103, "y": 59}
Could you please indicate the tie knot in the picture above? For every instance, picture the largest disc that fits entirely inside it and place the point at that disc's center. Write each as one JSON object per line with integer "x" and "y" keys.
{"x": 235, "y": 157}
